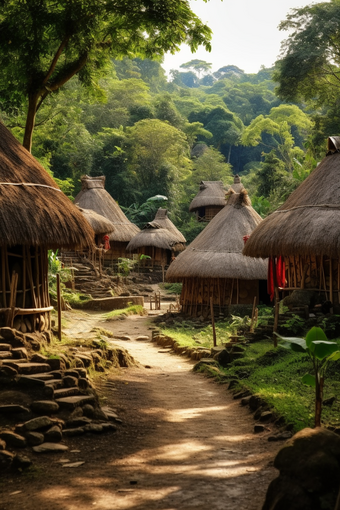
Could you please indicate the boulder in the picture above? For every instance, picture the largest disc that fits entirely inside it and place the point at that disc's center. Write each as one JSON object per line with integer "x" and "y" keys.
{"x": 53, "y": 435}
{"x": 6, "y": 459}
{"x": 34, "y": 438}
{"x": 12, "y": 439}
{"x": 45, "y": 407}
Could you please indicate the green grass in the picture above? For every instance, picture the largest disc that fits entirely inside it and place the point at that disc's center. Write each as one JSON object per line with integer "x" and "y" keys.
{"x": 273, "y": 374}
{"x": 75, "y": 298}
{"x": 172, "y": 288}
{"x": 130, "y": 310}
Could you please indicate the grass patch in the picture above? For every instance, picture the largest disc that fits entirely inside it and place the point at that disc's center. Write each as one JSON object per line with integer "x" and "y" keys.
{"x": 172, "y": 288}
{"x": 130, "y": 310}
{"x": 75, "y": 299}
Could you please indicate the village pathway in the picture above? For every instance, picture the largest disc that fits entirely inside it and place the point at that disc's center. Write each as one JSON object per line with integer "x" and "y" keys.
{"x": 184, "y": 443}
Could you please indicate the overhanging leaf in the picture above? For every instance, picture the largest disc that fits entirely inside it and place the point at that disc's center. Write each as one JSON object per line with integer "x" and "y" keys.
{"x": 298, "y": 344}
{"x": 322, "y": 349}
{"x": 313, "y": 335}
{"x": 335, "y": 356}
{"x": 309, "y": 380}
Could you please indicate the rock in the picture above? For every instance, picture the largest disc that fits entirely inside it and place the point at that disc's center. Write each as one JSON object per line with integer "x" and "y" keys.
{"x": 5, "y": 347}
{"x": 241, "y": 394}
{"x": 75, "y": 401}
{"x": 53, "y": 435}
{"x": 86, "y": 360}
{"x": 70, "y": 381}
{"x": 8, "y": 372}
{"x": 99, "y": 414}
{"x": 82, "y": 372}
{"x": 21, "y": 462}
{"x": 258, "y": 428}
{"x": 123, "y": 337}
{"x": 45, "y": 407}
{"x": 76, "y": 413}
{"x": 77, "y": 422}
{"x": 72, "y": 372}
{"x": 39, "y": 423}
{"x": 7, "y": 334}
{"x": 95, "y": 428}
{"x": 223, "y": 357}
{"x": 2, "y": 444}
{"x": 108, "y": 427}
{"x": 12, "y": 439}
{"x": 39, "y": 358}
{"x": 13, "y": 409}
{"x": 142, "y": 338}
{"x": 83, "y": 384}
{"x": 204, "y": 361}
{"x": 255, "y": 402}
{"x": 34, "y": 438}
{"x": 309, "y": 472}
{"x": 281, "y": 436}
{"x": 50, "y": 447}
{"x": 6, "y": 459}
{"x": 266, "y": 416}
{"x": 56, "y": 363}
{"x": 88, "y": 410}
{"x": 73, "y": 432}
{"x": 57, "y": 374}
{"x": 20, "y": 353}
{"x": 74, "y": 464}
{"x": 245, "y": 400}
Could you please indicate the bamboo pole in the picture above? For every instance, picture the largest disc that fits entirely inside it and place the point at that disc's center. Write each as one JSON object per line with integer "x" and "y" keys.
{"x": 37, "y": 276}
{"x": 331, "y": 283}
{"x": 3, "y": 276}
{"x": 59, "y": 306}
{"x": 237, "y": 290}
{"x": 253, "y": 316}
{"x": 294, "y": 271}
{"x": 30, "y": 277}
{"x": 213, "y": 320}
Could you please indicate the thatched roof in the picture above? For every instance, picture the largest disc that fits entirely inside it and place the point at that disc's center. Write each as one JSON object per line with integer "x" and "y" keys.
{"x": 308, "y": 223}
{"x": 163, "y": 221}
{"x": 237, "y": 186}
{"x": 93, "y": 195}
{"x": 211, "y": 193}
{"x": 33, "y": 210}
{"x": 99, "y": 223}
{"x": 160, "y": 233}
{"x": 217, "y": 250}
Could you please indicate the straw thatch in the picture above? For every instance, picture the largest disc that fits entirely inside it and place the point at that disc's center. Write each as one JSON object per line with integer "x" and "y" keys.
{"x": 99, "y": 223}
{"x": 217, "y": 250}
{"x": 33, "y": 210}
{"x": 94, "y": 196}
{"x": 163, "y": 221}
{"x": 237, "y": 186}
{"x": 211, "y": 193}
{"x": 308, "y": 223}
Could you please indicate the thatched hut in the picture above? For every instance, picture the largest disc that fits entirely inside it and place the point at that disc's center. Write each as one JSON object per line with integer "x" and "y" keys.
{"x": 213, "y": 264}
{"x": 34, "y": 216}
{"x": 160, "y": 240}
{"x": 305, "y": 232}
{"x": 209, "y": 200}
{"x": 100, "y": 225}
{"x": 93, "y": 195}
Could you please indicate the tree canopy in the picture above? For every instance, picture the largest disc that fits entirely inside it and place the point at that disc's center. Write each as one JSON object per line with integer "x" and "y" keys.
{"x": 44, "y": 43}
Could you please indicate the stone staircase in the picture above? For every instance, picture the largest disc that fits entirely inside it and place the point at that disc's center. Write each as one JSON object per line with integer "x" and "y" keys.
{"x": 44, "y": 400}
{"x": 87, "y": 279}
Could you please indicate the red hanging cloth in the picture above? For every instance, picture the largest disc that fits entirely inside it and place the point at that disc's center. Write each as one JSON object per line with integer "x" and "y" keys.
{"x": 106, "y": 241}
{"x": 280, "y": 274}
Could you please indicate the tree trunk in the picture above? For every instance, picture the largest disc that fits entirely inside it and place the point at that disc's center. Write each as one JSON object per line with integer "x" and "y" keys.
{"x": 30, "y": 120}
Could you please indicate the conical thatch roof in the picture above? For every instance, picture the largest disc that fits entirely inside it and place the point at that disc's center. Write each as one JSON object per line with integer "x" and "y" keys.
{"x": 237, "y": 186}
{"x": 211, "y": 193}
{"x": 160, "y": 233}
{"x": 33, "y": 210}
{"x": 93, "y": 195}
{"x": 99, "y": 223}
{"x": 163, "y": 221}
{"x": 217, "y": 250}
{"x": 308, "y": 223}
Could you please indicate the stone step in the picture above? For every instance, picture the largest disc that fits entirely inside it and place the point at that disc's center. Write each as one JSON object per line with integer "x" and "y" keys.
{"x": 23, "y": 367}
{"x": 5, "y": 347}
{"x": 44, "y": 376}
{"x": 75, "y": 401}
{"x": 5, "y": 355}
{"x": 55, "y": 383}
{"x": 66, "y": 392}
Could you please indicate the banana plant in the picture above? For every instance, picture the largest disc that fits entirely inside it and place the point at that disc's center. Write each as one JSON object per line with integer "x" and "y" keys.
{"x": 321, "y": 352}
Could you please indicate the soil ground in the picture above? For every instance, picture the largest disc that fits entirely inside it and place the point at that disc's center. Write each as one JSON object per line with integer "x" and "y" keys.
{"x": 183, "y": 444}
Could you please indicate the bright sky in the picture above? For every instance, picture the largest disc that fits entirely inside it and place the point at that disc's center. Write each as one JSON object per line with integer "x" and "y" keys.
{"x": 245, "y": 33}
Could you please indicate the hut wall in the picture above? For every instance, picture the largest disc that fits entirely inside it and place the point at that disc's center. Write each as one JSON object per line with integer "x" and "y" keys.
{"x": 208, "y": 213}
{"x": 318, "y": 273}
{"x": 24, "y": 293}
{"x": 196, "y": 293}
{"x": 117, "y": 250}
{"x": 158, "y": 256}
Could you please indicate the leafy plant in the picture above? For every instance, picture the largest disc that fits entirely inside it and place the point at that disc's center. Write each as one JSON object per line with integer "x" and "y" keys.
{"x": 320, "y": 351}
{"x": 295, "y": 324}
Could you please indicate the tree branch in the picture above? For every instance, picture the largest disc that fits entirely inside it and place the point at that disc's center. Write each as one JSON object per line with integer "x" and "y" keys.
{"x": 73, "y": 69}
{"x": 55, "y": 59}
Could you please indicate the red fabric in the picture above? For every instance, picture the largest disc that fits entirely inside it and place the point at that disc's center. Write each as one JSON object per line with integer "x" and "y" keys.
{"x": 280, "y": 272}
{"x": 280, "y": 275}
{"x": 106, "y": 241}
{"x": 245, "y": 238}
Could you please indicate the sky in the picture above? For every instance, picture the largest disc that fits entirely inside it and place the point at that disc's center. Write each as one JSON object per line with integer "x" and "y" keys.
{"x": 245, "y": 33}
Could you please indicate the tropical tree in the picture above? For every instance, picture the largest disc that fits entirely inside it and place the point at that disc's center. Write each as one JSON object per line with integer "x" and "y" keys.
{"x": 44, "y": 43}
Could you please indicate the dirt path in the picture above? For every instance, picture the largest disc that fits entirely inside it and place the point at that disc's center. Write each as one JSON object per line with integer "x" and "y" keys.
{"x": 184, "y": 444}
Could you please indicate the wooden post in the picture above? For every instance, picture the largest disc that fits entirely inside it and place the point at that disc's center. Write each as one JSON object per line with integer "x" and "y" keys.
{"x": 253, "y": 316}
{"x": 213, "y": 320}
{"x": 163, "y": 273}
{"x": 3, "y": 276}
{"x": 59, "y": 306}
{"x": 331, "y": 283}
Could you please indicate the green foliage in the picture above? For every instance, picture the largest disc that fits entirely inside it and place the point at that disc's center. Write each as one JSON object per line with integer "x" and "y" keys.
{"x": 173, "y": 288}
{"x": 130, "y": 310}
